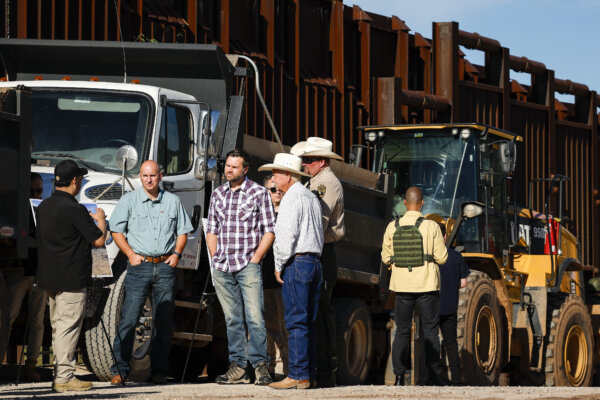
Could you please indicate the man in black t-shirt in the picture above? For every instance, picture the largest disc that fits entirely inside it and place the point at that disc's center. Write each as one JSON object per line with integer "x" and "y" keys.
{"x": 453, "y": 276}
{"x": 65, "y": 234}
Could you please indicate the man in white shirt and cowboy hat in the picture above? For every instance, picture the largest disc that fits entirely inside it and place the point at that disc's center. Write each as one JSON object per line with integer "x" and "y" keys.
{"x": 316, "y": 156}
{"x": 297, "y": 249}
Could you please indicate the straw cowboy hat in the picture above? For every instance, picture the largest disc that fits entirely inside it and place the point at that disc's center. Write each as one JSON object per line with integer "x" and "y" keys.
{"x": 285, "y": 162}
{"x": 315, "y": 147}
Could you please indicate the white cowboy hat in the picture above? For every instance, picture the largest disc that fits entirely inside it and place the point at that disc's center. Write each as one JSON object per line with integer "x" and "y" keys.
{"x": 315, "y": 147}
{"x": 285, "y": 162}
{"x": 298, "y": 148}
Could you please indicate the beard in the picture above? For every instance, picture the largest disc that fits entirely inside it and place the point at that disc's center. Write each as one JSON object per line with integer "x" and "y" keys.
{"x": 234, "y": 177}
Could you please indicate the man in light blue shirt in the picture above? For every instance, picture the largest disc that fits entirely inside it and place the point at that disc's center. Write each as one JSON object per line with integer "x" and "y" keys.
{"x": 150, "y": 227}
{"x": 297, "y": 250}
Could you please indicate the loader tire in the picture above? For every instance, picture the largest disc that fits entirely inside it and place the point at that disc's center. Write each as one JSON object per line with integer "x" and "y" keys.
{"x": 480, "y": 335}
{"x": 96, "y": 349}
{"x": 570, "y": 346}
{"x": 354, "y": 338}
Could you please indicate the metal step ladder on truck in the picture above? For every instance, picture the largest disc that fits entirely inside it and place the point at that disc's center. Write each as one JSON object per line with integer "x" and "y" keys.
{"x": 523, "y": 314}
{"x": 109, "y": 106}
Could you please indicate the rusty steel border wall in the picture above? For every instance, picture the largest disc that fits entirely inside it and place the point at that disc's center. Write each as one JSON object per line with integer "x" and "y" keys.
{"x": 327, "y": 68}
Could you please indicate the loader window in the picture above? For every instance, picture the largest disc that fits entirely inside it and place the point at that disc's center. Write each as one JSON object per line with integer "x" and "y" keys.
{"x": 175, "y": 143}
{"x": 441, "y": 165}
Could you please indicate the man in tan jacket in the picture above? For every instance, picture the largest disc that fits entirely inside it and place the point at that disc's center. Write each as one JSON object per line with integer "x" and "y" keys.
{"x": 416, "y": 285}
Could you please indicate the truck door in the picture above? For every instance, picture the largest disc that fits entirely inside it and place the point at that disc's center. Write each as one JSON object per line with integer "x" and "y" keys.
{"x": 175, "y": 153}
{"x": 15, "y": 168}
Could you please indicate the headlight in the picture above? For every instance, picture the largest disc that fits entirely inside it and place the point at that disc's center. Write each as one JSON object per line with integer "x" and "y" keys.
{"x": 370, "y": 136}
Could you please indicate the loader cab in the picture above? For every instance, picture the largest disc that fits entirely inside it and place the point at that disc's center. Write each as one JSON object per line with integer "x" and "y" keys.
{"x": 452, "y": 164}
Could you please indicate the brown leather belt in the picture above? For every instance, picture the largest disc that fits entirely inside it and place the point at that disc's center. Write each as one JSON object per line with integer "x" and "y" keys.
{"x": 308, "y": 254}
{"x": 157, "y": 259}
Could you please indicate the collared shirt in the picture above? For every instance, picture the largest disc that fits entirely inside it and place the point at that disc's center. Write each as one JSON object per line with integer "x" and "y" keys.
{"x": 65, "y": 233}
{"x": 239, "y": 218}
{"x": 425, "y": 278}
{"x": 150, "y": 226}
{"x": 327, "y": 187}
{"x": 299, "y": 227}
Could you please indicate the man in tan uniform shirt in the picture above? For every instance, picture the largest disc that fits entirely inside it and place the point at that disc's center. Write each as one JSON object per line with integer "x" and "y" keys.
{"x": 316, "y": 154}
{"x": 419, "y": 286}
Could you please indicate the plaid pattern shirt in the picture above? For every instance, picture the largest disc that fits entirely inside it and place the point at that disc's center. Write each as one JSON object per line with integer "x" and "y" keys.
{"x": 240, "y": 219}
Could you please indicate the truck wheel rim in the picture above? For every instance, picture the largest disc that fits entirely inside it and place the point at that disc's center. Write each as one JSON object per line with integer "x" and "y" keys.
{"x": 486, "y": 341}
{"x": 357, "y": 342}
{"x": 575, "y": 355}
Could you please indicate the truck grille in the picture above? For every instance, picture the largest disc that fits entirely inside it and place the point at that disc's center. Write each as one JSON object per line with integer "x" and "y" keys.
{"x": 113, "y": 194}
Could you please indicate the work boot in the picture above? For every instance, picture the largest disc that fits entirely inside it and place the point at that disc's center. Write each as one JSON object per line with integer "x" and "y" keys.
{"x": 235, "y": 374}
{"x": 30, "y": 373}
{"x": 399, "y": 380}
{"x": 438, "y": 379}
{"x": 116, "y": 380}
{"x": 263, "y": 378}
{"x": 289, "y": 383}
{"x": 159, "y": 379}
{"x": 72, "y": 386}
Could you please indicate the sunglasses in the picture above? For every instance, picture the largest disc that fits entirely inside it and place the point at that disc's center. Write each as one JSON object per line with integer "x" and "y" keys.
{"x": 310, "y": 160}
{"x": 274, "y": 190}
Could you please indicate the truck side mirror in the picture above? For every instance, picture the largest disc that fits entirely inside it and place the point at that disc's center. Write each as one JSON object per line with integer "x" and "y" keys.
{"x": 127, "y": 158}
{"x": 205, "y": 168}
{"x": 204, "y": 134}
{"x": 468, "y": 210}
{"x": 356, "y": 153}
{"x": 507, "y": 156}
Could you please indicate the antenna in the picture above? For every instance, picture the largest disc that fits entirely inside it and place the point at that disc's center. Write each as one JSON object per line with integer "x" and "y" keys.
{"x": 122, "y": 43}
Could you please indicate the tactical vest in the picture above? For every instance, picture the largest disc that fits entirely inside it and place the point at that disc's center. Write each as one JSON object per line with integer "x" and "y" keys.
{"x": 408, "y": 246}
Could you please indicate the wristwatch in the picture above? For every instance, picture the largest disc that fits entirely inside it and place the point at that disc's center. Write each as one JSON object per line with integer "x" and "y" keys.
{"x": 177, "y": 254}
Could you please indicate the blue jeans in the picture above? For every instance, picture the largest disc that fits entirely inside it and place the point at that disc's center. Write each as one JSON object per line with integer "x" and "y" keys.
{"x": 301, "y": 291}
{"x": 140, "y": 281}
{"x": 240, "y": 294}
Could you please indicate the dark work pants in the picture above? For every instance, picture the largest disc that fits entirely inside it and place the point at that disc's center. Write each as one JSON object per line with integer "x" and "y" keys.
{"x": 448, "y": 328}
{"x": 325, "y": 323}
{"x": 429, "y": 312}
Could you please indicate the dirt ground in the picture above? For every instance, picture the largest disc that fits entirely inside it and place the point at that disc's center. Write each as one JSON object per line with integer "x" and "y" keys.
{"x": 206, "y": 390}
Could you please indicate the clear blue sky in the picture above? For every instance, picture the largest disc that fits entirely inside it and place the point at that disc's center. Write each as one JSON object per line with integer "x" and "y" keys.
{"x": 561, "y": 34}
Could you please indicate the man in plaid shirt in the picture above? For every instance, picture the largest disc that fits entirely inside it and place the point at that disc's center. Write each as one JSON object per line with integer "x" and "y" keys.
{"x": 240, "y": 229}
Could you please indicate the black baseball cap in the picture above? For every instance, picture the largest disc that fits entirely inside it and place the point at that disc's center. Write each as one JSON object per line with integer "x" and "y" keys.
{"x": 66, "y": 170}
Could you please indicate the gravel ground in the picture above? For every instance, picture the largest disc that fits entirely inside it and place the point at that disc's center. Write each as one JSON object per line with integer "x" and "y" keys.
{"x": 103, "y": 390}
{"x": 175, "y": 390}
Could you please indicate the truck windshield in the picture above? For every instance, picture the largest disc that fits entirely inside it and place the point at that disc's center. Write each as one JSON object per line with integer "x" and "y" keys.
{"x": 442, "y": 165}
{"x": 88, "y": 127}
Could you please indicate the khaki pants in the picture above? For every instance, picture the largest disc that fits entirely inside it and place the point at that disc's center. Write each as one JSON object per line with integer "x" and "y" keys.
{"x": 17, "y": 287}
{"x": 277, "y": 334}
{"x": 66, "y": 316}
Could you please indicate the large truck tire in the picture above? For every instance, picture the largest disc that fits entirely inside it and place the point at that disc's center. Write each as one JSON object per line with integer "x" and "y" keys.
{"x": 354, "y": 340}
{"x": 97, "y": 350}
{"x": 570, "y": 345}
{"x": 480, "y": 335}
